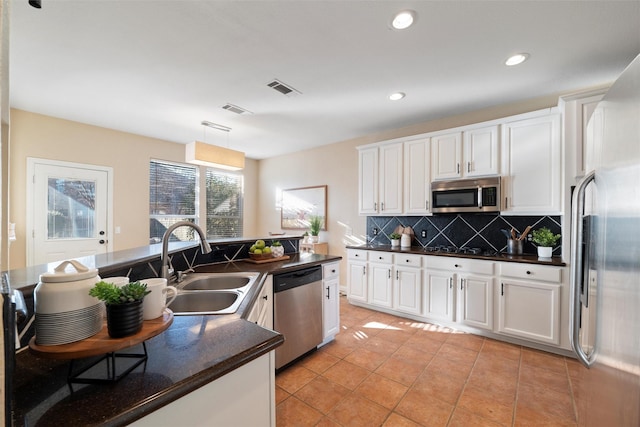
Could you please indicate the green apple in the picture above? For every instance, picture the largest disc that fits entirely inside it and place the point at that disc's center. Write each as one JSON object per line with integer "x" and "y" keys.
{"x": 252, "y": 248}
{"x": 266, "y": 250}
{"x": 260, "y": 244}
{"x": 258, "y": 252}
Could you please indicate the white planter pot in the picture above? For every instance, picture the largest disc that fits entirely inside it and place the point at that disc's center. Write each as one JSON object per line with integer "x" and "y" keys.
{"x": 395, "y": 243}
{"x": 544, "y": 251}
{"x": 313, "y": 239}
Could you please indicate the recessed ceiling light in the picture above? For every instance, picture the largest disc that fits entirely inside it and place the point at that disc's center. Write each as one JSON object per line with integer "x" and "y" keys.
{"x": 403, "y": 19}
{"x": 396, "y": 96}
{"x": 516, "y": 59}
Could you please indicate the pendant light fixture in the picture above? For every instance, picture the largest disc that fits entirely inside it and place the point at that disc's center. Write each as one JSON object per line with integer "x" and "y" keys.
{"x": 203, "y": 154}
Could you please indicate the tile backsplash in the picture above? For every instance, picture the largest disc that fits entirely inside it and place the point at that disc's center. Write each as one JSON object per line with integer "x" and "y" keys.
{"x": 460, "y": 230}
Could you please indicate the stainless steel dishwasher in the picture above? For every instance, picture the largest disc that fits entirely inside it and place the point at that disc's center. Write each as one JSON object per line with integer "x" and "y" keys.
{"x": 297, "y": 312}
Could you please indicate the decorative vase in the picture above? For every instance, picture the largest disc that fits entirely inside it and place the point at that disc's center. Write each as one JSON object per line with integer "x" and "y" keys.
{"x": 395, "y": 243}
{"x": 405, "y": 240}
{"x": 277, "y": 251}
{"x": 124, "y": 319}
{"x": 544, "y": 251}
{"x": 313, "y": 239}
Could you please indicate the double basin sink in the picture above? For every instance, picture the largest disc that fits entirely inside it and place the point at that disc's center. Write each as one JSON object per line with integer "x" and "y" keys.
{"x": 212, "y": 293}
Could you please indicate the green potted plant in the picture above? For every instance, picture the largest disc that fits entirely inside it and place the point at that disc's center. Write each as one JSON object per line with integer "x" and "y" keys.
{"x": 395, "y": 239}
{"x": 545, "y": 240}
{"x": 315, "y": 224}
{"x": 124, "y": 306}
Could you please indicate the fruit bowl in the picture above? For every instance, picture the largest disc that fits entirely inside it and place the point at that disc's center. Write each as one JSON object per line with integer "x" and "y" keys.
{"x": 259, "y": 257}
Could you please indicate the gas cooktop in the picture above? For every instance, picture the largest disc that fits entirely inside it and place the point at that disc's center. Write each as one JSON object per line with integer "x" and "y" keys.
{"x": 464, "y": 250}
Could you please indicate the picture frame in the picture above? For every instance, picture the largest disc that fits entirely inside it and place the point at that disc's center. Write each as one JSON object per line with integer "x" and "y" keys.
{"x": 300, "y": 204}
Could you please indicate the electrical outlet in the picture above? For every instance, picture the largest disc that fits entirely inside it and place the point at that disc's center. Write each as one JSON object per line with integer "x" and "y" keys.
{"x": 423, "y": 234}
{"x": 375, "y": 231}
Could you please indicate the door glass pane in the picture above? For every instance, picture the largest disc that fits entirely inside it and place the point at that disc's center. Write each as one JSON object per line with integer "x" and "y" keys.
{"x": 71, "y": 208}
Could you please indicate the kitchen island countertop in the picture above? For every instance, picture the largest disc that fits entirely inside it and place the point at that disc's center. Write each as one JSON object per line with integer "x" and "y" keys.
{"x": 194, "y": 351}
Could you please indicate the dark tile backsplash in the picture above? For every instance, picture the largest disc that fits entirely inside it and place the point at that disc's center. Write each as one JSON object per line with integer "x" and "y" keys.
{"x": 462, "y": 230}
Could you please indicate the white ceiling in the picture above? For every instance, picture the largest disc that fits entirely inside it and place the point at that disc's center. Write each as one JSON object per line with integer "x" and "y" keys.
{"x": 158, "y": 68}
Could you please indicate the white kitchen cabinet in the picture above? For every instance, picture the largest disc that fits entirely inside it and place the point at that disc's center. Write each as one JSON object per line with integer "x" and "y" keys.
{"x": 529, "y": 302}
{"x": 381, "y": 279}
{"x": 407, "y": 288}
{"x": 357, "y": 284}
{"x": 380, "y": 179}
{"x": 532, "y": 165}
{"x": 446, "y": 156}
{"x": 439, "y": 295}
{"x": 474, "y": 152}
{"x": 475, "y": 300}
{"x": 262, "y": 311}
{"x": 417, "y": 177}
{"x": 330, "y": 301}
{"x": 480, "y": 153}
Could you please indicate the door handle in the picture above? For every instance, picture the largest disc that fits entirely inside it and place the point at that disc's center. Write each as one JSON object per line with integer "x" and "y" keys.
{"x": 102, "y": 241}
{"x": 577, "y": 213}
{"x": 328, "y": 295}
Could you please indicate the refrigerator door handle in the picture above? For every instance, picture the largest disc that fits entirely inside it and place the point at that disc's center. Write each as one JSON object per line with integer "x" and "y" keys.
{"x": 577, "y": 253}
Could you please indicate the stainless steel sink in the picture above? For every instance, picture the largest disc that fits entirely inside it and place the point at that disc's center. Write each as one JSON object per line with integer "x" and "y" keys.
{"x": 217, "y": 281}
{"x": 212, "y": 293}
{"x": 206, "y": 302}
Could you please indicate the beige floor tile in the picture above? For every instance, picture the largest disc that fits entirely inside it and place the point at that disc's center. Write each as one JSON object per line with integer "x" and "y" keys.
{"x": 463, "y": 418}
{"x": 424, "y": 409}
{"x": 480, "y": 402}
{"x": 469, "y": 341}
{"x": 281, "y": 395}
{"x": 541, "y": 405}
{"x": 544, "y": 378}
{"x": 356, "y": 411}
{"x": 382, "y": 391}
{"x": 319, "y": 361}
{"x": 322, "y": 394}
{"x": 544, "y": 360}
{"x": 501, "y": 349}
{"x": 396, "y": 420}
{"x": 346, "y": 374}
{"x": 365, "y": 358}
{"x": 400, "y": 369}
{"x": 440, "y": 385}
{"x": 294, "y": 378}
{"x": 295, "y": 413}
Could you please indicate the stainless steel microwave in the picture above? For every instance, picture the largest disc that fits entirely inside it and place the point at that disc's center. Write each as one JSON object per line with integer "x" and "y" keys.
{"x": 466, "y": 195}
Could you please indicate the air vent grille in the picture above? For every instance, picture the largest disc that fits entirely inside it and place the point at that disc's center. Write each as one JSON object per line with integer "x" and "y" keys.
{"x": 283, "y": 88}
{"x": 236, "y": 109}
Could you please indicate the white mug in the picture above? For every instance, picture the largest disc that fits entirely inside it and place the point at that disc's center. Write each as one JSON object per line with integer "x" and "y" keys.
{"x": 155, "y": 302}
{"x": 117, "y": 280}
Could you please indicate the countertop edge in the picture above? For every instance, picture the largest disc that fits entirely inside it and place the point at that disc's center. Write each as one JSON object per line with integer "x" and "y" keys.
{"x": 525, "y": 259}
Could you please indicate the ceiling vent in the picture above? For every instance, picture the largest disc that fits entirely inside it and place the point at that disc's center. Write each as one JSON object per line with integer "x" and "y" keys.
{"x": 283, "y": 88}
{"x": 235, "y": 109}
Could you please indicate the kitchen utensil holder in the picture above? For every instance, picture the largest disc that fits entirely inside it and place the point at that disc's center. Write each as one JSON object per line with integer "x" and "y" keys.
{"x": 514, "y": 246}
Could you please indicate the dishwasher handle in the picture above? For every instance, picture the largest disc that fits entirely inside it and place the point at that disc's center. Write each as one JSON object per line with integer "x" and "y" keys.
{"x": 284, "y": 281}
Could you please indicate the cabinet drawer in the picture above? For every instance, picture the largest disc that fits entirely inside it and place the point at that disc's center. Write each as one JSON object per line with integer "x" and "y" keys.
{"x": 409, "y": 260}
{"x": 461, "y": 264}
{"x": 330, "y": 271}
{"x": 531, "y": 272}
{"x": 381, "y": 257}
{"x": 360, "y": 254}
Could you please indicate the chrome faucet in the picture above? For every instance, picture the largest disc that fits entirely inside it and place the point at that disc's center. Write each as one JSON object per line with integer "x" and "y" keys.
{"x": 204, "y": 245}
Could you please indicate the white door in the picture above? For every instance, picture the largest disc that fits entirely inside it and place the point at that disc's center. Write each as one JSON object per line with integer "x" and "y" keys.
{"x": 68, "y": 212}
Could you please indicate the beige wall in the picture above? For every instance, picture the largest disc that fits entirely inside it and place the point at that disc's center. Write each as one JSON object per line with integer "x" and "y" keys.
{"x": 35, "y": 135}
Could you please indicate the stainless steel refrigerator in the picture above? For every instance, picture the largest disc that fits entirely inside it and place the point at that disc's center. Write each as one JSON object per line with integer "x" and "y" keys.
{"x": 605, "y": 261}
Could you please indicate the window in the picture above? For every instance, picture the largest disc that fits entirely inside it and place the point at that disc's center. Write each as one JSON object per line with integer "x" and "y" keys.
{"x": 173, "y": 197}
{"x": 224, "y": 204}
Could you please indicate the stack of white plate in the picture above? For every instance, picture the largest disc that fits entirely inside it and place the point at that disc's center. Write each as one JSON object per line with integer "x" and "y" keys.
{"x": 70, "y": 326}
{"x": 65, "y": 312}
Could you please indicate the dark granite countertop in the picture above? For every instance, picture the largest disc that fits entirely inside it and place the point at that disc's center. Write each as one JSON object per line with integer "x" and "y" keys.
{"x": 525, "y": 258}
{"x": 194, "y": 351}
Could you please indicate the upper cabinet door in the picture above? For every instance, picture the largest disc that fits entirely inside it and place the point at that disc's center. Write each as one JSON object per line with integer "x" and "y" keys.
{"x": 368, "y": 181}
{"x": 446, "y": 156}
{"x": 417, "y": 177}
{"x": 532, "y": 164}
{"x": 481, "y": 152}
{"x": 390, "y": 199}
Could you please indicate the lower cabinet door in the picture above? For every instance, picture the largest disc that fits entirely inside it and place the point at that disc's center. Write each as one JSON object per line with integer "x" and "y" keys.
{"x": 380, "y": 285}
{"x": 530, "y": 310}
{"x": 438, "y": 298}
{"x": 330, "y": 309}
{"x": 476, "y": 301}
{"x": 408, "y": 287}
{"x": 357, "y": 284}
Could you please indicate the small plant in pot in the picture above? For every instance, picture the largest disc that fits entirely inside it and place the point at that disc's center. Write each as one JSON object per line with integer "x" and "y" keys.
{"x": 395, "y": 239}
{"x": 124, "y": 306}
{"x": 315, "y": 224}
{"x": 545, "y": 240}
{"x": 277, "y": 250}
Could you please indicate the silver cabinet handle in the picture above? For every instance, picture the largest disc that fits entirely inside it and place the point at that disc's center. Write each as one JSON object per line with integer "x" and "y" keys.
{"x": 364, "y": 271}
{"x": 458, "y": 167}
{"x": 381, "y": 206}
{"x": 468, "y": 166}
{"x": 375, "y": 206}
{"x": 461, "y": 282}
{"x": 577, "y": 214}
{"x": 397, "y": 275}
{"x": 328, "y": 295}
{"x": 450, "y": 282}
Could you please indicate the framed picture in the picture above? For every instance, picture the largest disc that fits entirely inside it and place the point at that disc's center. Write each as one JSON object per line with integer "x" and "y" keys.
{"x": 299, "y": 205}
